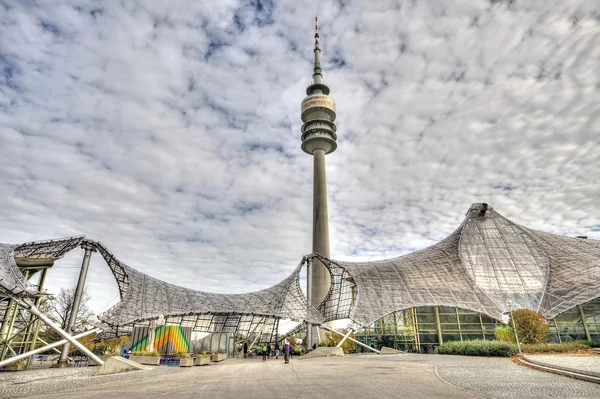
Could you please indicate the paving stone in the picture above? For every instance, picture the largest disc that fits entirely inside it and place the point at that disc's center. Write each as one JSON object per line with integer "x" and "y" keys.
{"x": 360, "y": 376}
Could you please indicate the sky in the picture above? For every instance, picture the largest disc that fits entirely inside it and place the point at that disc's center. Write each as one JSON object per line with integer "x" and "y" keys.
{"x": 170, "y": 131}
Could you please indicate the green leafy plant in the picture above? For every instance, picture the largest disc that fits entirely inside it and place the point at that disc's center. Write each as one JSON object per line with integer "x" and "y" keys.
{"x": 478, "y": 348}
{"x": 298, "y": 351}
{"x": 531, "y": 326}
{"x": 183, "y": 355}
{"x": 145, "y": 353}
{"x": 504, "y": 333}
{"x": 203, "y": 354}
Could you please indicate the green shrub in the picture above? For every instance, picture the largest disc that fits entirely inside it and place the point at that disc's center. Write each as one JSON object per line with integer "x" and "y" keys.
{"x": 531, "y": 326}
{"x": 477, "y": 348}
{"x": 504, "y": 333}
{"x": 554, "y": 348}
{"x": 183, "y": 355}
{"x": 145, "y": 353}
{"x": 298, "y": 351}
{"x": 591, "y": 344}
{"x": 203, "y": 354}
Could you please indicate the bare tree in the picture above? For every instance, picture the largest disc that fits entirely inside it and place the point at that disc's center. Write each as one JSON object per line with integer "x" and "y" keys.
{"x": 58, "y": 308}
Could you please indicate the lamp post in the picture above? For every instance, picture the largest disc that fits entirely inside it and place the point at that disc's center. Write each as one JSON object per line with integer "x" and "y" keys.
{"x": 509, "y": 303}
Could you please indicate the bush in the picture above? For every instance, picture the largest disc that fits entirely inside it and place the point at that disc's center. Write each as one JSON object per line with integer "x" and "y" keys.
{"x": 203, "y": 354}
{"x": 145, "y": 353}
{"x": 554, "y": 348}
{"x": 477, "y": 348}
{"x": 297, "y": 351}
{"x": 182, "y": 355}
{"x": 591, "y": 344}
{"x": 532, "y": 328}
{"x": 505, "y": 334}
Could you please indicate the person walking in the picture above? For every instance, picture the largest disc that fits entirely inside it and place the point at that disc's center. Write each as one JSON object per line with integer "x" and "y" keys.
{"x": 286, "y": 351}
{"x": 277, "y": 350}
{"x": 245, "y": 350}
{"x": 264, "y": 351}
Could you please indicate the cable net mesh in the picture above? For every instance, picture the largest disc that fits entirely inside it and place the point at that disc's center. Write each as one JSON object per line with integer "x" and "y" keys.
{"x": 488, "y": 265}
{"x": 144, "y": 298}
{"x": 12, "y": 281}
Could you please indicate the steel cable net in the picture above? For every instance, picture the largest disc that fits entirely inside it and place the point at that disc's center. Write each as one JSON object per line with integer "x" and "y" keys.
{"x": 488, "y": 265}
{"x": 12, "y": 281}
{"x": 144, "y": 298}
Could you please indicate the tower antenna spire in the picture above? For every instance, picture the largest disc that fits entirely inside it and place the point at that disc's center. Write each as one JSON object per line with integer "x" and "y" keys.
{"x": 317, "y": 74}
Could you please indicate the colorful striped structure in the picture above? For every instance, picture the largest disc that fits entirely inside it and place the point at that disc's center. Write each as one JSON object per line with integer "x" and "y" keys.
{"x": 167, "y": 339}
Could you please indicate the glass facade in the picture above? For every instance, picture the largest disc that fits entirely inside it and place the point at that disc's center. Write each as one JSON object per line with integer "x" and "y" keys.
{"x": 580, "y": 322}
{"x": 423, "y": 328}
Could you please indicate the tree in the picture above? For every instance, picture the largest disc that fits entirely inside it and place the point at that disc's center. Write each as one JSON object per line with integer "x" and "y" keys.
{"x": 332, "y": 339}
{"x": 58, "y": 308}
{"x": 531, "y": 326}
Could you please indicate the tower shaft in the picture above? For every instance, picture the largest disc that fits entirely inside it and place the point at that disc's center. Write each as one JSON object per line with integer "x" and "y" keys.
{"x": 320, "y": 278}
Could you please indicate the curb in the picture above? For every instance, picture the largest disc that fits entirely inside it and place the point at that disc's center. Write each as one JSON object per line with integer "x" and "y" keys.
{"x": 568, "y": 372}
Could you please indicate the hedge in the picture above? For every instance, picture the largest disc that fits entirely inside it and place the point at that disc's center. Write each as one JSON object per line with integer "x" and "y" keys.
{"x": 478, "y": 348}
{"x": 591, "y": 344}
{"x": 555, "y": 348}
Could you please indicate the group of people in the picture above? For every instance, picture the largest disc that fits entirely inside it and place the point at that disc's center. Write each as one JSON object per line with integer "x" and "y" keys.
{"x": 274, "y": 350}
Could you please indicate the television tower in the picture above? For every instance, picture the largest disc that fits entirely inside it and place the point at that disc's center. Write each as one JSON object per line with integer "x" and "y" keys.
{"x": 318, "y": 139}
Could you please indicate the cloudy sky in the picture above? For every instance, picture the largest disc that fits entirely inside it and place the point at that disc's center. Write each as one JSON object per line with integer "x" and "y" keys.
{"x": 170, "y": 131}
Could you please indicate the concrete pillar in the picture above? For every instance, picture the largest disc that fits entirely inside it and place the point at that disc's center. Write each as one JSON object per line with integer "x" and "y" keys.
{"x": 320, "y": 274}
{"x": 320, "y": 279}
{"x": 309, "y": 295}
{"x": 76, "y": 300}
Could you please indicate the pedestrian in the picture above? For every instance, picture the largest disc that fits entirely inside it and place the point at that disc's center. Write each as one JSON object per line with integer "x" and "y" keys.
{"x": 245, "y": 350}
{"x": 264, "y": 348}
{"x": 128, "y": 353}
{"x": 286, "y": 351}
{"x": 277, "y": 350}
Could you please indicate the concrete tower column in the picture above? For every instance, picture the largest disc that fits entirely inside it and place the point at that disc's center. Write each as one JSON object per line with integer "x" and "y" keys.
{"x": 320, "y": 275}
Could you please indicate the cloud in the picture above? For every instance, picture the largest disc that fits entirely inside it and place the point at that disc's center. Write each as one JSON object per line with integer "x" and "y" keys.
{"x": 170, "y": 132}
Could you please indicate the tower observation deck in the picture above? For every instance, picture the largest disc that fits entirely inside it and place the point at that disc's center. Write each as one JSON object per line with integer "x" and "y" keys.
{"x": 318, "y": 139}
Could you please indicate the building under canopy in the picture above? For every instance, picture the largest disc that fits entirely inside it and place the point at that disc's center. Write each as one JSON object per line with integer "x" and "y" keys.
{"x": 486, "y": 267}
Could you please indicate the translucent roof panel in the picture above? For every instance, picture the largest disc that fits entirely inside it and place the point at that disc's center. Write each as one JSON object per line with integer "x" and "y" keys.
{"x": 489, "y": 264}
{"x": 144, "y": 298}
{"x": 12, "y": 281}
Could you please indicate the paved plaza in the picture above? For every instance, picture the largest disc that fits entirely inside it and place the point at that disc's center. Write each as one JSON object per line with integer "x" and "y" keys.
{"x": 355, "y": 376}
